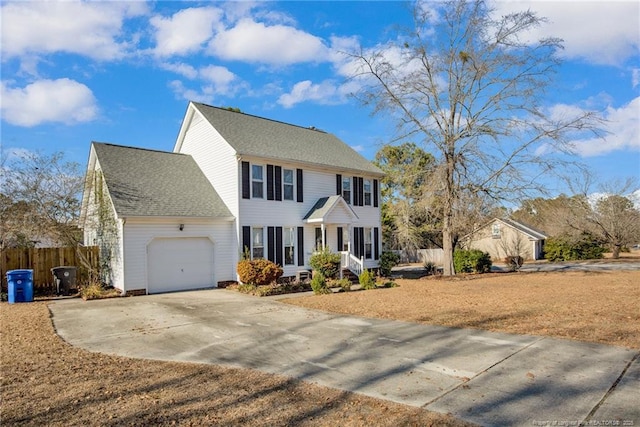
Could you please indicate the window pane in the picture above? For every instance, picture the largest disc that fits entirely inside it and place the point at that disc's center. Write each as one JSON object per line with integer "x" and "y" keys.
{"x": 287, "y": 176}
{"x": 257, "y": 172}
{"x": 257, "y": 190}
{"x": 289, "y": 236}
{"x": 288, "y": 192}
{"x": 257, "y": 237}
{"x": 367, "y": 192}
{"x": 288, "y": 255}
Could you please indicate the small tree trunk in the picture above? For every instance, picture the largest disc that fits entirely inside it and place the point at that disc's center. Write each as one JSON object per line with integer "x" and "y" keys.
{"x": 616, "y": 251}
{"x": 447, "y": 248}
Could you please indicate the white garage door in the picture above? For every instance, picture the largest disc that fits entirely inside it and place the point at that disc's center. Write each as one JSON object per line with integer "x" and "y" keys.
{"x": 178, "y": 264}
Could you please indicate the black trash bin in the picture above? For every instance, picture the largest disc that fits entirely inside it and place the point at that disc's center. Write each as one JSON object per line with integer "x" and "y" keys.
{"x": 64, "y": 278}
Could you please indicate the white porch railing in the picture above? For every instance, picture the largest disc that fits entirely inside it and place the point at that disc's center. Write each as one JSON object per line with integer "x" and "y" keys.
{"x": 353, "y": 263}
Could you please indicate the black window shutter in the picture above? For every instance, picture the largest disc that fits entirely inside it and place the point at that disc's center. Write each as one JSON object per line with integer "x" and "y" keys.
{"x": 278, "y": 182}
{"x": 246, "y": 239}
{"x": 356, "y": 241}
{"x": 354, "y": 190}
{"x": 279, "y": 247}
{"x": 246, "y": 184}
{"x": 376, "y": 243}
{"x": 375, "y": 193}
{"x": 269, "y": 182}
{"x": 340, "y": 242}
{"x": 339, "y": 184}
{"x": 360, "y": 191}
{"x": 299, "y": 188}
{"x": 300, "y": 243}
{"x": 271, "y": 244}
{"x": 361, "y": 241}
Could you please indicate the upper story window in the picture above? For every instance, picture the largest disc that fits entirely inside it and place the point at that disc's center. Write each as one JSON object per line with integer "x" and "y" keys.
{"x": 287, "y": 183}
{"x": 495, "y": 231}
{"x": 257, "y": 181}
{"x": 346, "y": 189}
{"x": 367, "y": 192}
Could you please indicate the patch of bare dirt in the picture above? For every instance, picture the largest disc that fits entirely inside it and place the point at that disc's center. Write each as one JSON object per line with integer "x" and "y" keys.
{"x": 599, "y": 307}
{"x": 45, "y": 381}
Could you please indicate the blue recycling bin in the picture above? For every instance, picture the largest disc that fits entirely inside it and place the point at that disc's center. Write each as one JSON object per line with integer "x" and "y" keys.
{"x": 20, "y": 285}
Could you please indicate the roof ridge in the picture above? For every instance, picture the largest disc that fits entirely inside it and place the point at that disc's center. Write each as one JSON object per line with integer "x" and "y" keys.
{"x": 262, "y": 118}
{"x": 137, "y": 148}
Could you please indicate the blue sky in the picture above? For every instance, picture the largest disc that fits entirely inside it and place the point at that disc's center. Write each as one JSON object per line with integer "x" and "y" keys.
{"x": 123, "y": 72}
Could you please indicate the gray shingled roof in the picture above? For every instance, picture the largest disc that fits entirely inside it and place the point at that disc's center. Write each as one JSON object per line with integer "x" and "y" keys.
{"x": 257, "y": 136}
{"x": 155, "y": 183}
{"x": 527, "y": 229}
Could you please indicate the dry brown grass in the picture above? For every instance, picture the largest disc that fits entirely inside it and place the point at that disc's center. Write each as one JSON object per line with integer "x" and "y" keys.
{"x": 45, "y": 381}
{"x": 598, "y": 307}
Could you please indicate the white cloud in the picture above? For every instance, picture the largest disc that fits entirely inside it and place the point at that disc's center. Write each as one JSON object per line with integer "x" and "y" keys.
{"x": 326, "y": 92}
{"x": 186, "y": 31}
{"x": 216, "y": 81}
{"x": 182, "y": 92}
{"x": 358, "y": 148}
{"x": 93, "y": 29}
{"x": 183, "y": 69}
{"x": 220, "y": 77}
{"x": 635, "y": 77}
{"x": 63, "y": 101}
{"x": 600, "y": 32}
{"x": 252, "y": 41}
{"x": 623, "y": 127}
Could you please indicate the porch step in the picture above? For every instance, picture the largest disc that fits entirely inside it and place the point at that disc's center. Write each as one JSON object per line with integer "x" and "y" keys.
{"x": 350, "y": 275}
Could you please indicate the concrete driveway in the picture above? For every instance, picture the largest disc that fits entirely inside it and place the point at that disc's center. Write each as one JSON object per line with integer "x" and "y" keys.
{"x": 486, "y": 378}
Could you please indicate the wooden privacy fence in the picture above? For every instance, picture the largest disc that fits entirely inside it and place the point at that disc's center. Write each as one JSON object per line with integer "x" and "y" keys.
{"x": 42, "y": 260}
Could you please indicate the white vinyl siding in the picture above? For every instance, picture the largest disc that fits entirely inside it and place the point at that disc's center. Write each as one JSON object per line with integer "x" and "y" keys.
{"x": 216, "y": 158}
{"x": 140, "y": 232}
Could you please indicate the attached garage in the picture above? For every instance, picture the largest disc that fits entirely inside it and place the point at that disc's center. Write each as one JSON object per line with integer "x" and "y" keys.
{"x": 166, "y": 228}
{"x": 178, "y": 264}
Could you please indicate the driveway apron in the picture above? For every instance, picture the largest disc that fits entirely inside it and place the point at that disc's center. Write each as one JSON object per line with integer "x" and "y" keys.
{"x": 483, "y": 377}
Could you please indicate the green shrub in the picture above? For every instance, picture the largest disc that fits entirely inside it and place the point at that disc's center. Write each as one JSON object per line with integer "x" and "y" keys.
{"x": 389, "y": 285}
{"x": 388, "y": 260}
{"x": 258, "y": 272}
{"x": 319, "y": 284}
{"x": 472, "y": 261}
{"x": 344, "y": 284}
{"x": 565, "y": 248}
{"x": 366, "y": 279}
{"x": 326, "y": 262}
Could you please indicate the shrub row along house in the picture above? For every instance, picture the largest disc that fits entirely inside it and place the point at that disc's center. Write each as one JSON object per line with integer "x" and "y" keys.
{"x": 234, "y": 184}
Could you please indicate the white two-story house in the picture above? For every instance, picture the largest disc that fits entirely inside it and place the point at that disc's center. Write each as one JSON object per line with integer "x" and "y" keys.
{"x": 235, "y": 184}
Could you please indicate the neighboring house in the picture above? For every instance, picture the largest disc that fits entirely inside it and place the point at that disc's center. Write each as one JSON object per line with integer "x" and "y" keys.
{"x": 235, "y": 184}
{"x": 503, "y": 237}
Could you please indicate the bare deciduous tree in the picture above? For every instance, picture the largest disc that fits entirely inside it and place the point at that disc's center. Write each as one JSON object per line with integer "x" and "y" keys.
{"x": 471, "y": 89}
{"x": 40, "y": 200}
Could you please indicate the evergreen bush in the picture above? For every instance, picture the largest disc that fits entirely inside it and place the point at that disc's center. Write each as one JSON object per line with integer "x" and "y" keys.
{"x": 319, "y": 284}
{"x": 366, "y": 280}
{"x": 326, "y": 262}
{"x": 565, "y": 248}
{"x": 388, "y": 260}
{"x": 471, "y": 261}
